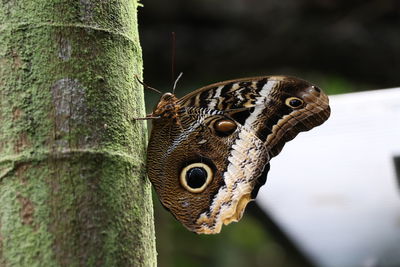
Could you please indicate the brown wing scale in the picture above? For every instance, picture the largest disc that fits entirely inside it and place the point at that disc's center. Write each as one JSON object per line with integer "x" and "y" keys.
{"x": 209, "y": 151}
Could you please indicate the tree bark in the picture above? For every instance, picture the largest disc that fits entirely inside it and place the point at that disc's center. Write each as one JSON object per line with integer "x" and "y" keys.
{"x": 73, "y": 190}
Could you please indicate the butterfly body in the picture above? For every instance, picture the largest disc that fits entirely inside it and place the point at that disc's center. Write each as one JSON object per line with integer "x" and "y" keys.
{"x": 209, "y": 151}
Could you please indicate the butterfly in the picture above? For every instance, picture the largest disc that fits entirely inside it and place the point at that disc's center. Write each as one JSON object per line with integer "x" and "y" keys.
{"x": 209, "y": 151}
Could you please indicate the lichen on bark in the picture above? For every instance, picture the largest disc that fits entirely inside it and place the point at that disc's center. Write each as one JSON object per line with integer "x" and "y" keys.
{"x": 72, "y": 185}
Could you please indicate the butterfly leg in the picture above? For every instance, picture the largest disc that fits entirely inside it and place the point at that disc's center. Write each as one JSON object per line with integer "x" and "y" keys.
{"x": 148, "y": 117}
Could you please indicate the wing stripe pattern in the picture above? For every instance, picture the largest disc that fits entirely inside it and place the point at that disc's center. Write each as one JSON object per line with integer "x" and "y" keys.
{"x": 260, "y": 103}
{"x": 214, "y": 101}
{"x": 240, "y": 179}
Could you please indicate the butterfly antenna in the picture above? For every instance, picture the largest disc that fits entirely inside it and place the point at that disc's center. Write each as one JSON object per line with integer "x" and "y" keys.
{"x": 148, "y": 87}
{"x": 173, "y": 55}
{"x": 176, "y": 81}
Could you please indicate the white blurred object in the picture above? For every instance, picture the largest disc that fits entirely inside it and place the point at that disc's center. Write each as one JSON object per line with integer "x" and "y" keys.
{"x": 334, "y": 190}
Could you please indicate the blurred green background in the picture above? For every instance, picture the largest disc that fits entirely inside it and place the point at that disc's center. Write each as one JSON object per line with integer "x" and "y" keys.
{"x": 342, "y": 46}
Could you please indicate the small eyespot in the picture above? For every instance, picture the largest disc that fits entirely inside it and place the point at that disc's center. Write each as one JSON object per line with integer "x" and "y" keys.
{"x": 224, "y": 127}
{"x": 294, "y": 102}
{"x": 196, "y": 177}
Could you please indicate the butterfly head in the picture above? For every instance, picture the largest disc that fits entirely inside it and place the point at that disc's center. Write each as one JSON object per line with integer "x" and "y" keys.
{"x": 167, "y": 107}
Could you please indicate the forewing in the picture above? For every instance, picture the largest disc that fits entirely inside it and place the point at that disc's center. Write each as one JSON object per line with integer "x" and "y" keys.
{"x": 259, "y": 104}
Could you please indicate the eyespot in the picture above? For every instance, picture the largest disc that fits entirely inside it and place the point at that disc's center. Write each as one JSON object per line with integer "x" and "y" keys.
{"x": 196, "y": 177}
{"x": 294, "y": 102}
{"x": 224, "y": 127}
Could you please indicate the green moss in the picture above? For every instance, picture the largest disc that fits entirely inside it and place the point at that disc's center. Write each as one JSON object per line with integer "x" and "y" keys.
{"x": 24, "y": 218}
{"x": 72, "y": 185}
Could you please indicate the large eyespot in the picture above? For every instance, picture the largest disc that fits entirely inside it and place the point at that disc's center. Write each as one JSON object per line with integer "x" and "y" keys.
{"x": 196, "y": 177}
{"x": 224, "y": 127}
{"x": 294, "y": 102}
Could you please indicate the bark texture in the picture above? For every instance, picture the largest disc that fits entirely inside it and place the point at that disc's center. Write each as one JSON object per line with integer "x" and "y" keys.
{"x": 73, "y": 190}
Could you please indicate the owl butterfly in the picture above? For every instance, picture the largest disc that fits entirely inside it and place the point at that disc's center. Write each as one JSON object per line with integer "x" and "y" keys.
{"x": 209, "y": 151}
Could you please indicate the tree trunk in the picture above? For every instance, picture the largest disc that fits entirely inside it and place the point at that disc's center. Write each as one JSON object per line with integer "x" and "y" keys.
{"x": 73, "y": 190}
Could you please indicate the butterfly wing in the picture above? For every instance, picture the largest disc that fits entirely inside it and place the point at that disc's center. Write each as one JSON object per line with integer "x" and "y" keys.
{"x": 211, "y": 162}
{"x": 260, "y": 103}
{"x": 183, "y": 158}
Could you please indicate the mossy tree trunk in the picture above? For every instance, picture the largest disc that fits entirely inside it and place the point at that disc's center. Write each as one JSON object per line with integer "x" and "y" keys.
{"x": 72, "y": 187}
